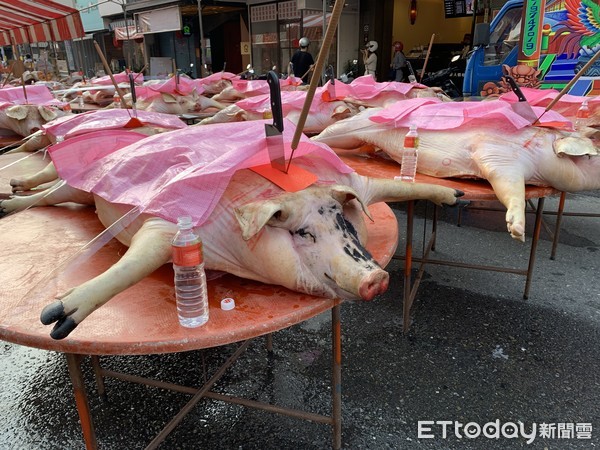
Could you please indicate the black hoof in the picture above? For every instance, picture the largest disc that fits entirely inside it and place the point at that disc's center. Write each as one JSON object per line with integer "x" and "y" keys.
{"x": 62, "y": 328}
{"x": 458, "y": 193}
{"x": 52, "y": 312}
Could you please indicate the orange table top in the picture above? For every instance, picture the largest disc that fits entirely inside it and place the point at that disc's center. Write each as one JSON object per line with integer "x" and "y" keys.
{"x": 142, "y": 319}
{"x": 475, "y": 190}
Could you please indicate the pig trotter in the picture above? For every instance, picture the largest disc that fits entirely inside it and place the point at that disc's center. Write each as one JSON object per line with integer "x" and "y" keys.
{"x": 62, "y": 328}
{"x": 55, "y": 312}
{"x": 52, "y": 312}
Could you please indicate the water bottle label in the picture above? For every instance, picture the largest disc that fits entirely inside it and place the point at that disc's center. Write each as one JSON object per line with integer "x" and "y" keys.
{"x": 583, "y": 114}
{"x": 411, "y": 141}
{"x": 190, "y": 255}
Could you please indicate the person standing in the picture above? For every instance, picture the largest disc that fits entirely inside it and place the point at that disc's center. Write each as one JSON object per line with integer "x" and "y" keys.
{"x": 370, "y": 58}
{"x": 302, "y": 62}
{"x": 399, "y": 62}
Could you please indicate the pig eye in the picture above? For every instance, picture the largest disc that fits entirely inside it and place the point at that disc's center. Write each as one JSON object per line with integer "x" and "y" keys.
{"x": 304, "y": 234}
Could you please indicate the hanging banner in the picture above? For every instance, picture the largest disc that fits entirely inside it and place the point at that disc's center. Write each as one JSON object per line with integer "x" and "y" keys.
{"x": 159, "y": 20}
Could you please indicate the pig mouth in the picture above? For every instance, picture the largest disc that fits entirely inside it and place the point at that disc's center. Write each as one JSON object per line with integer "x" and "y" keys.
{"x": 338, "y": 291}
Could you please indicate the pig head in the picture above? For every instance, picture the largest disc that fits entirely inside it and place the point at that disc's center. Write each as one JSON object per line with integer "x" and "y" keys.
{"x": 27, "y": 119}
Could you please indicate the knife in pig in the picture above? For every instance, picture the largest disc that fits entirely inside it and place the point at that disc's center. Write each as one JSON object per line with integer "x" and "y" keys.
{"x": 274, "y": 132}
{"x": 522, "y": 107}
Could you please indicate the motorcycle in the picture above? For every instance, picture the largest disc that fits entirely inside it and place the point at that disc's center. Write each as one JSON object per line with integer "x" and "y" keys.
{"x": 442, "y": 79}
{"x": 351, "y": 72}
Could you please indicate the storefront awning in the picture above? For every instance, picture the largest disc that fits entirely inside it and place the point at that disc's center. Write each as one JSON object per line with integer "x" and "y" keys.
{"x": 30, "y": 21}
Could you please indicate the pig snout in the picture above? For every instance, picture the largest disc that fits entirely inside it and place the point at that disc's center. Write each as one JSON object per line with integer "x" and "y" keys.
{"x": 373, "y": 284}
{"x": 365, "y": 282}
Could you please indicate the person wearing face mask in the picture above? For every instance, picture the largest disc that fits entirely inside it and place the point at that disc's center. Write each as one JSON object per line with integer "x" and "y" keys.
{"x": 370, "y": 58}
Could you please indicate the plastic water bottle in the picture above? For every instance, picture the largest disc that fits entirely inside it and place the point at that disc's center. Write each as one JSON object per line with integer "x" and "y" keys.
{"x": 190, "y": 279}
{"x": 408, "y": 169}
{"x": 117, "y": 100}
{"x": 80, "y": 99}
{"x": 582, "y": 116}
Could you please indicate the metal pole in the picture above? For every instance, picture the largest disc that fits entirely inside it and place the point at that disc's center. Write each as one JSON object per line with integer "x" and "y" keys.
{"x": 202, "y": 47}
{"x": 127, "y": 54}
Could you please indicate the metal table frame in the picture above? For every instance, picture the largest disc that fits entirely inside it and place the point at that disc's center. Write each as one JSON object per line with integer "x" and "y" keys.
{"x": 74, "y": 363}
{"x": 411, "y": 286}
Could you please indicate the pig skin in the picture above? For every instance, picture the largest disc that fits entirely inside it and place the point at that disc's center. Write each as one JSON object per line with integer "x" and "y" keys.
{"x": 507, "y": 158}
{"x": 308, "y": 241}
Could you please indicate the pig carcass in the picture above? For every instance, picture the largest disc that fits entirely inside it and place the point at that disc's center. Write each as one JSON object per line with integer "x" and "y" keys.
{"x": 320, "y": 115}
{"x": 27, "y": 119}
{"x": 241, "y": 89}
{"x": 365, "y": 91}
{"x": 74, "y": 125}
{"x": 308, "y": 241}
{"x": 497, "y": 145}
{"x": 176, "y": 95}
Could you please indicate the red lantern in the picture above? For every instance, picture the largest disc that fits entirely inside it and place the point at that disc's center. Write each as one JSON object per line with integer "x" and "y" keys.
{"x": 412, "y": 13}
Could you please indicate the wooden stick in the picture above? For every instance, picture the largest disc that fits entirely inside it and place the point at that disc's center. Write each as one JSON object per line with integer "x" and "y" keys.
{"x": 9, "y": 74}
{"x": 318, "y": 68}
{"x": 109, "y": 72}
{"x": 427, "y": 57}
{"x": 307, "y": 72}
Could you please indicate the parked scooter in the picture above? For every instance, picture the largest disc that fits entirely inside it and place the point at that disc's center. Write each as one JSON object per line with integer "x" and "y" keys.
{"x": 443, "y": 80}
{"x": 351, "y": 72}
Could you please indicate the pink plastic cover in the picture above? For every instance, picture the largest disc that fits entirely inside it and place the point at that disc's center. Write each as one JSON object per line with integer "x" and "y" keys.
{"x": 37, "y": 94}
{"x": 365, "y": 88}
{"x": 107, "y": 119}
{"x": 182, "y": 172}
{"x": 433, "y": 114}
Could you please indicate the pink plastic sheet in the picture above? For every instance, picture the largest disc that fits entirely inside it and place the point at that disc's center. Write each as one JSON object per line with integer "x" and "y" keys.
{"x": 290, "y": 101}
{"x": 365, "y": 88}
{"x": 433, "y": 114}
{"x": 215, "y": 77}
{"x": 184, "y": 86}
{"x": 183, "y": 172}
{"x": 37, "y": 94}
{"x": 122, "y": 77}
{"x": 566, "y": 105}
{"x": 74, "y": 154}
{"x": 107, "y": 119}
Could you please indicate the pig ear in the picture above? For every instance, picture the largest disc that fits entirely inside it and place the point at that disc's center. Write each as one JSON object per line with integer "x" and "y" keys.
{"x": 344, "y": 194}
{"x": 254, "y": 216}
{"x": 168, "y": 98}
{"x": 47, "y": 114}
{"x": 574, "y": 146}
{"x": 18, "y": 112}
{"x": 341, "y": 112}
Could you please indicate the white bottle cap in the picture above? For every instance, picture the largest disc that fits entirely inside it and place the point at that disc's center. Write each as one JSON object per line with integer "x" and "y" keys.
{"x": 227, "y": 304}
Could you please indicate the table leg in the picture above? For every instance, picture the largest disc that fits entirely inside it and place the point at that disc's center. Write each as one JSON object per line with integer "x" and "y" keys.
{"x": 536, "y": 236}
{"x": 559, "y": 215}
{"x": 99, "y": 377}
{"x": 336, "y": 378}
{"x": 407, "y": 302}
{"x": 81, "y": 400}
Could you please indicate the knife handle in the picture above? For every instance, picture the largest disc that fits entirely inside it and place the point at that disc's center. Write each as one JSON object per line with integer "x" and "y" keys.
{"x": 132, "y": 87}
{"x": 275, "y": 93}
{"x": 515, "y": 87}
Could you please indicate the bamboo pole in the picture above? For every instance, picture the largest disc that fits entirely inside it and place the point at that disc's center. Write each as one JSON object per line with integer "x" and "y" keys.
{"x": 427, "y": 57}
{"x": 318, "y": 69}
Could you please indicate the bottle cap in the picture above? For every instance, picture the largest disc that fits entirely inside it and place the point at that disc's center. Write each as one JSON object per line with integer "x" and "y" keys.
{"x": 227, "y": 304}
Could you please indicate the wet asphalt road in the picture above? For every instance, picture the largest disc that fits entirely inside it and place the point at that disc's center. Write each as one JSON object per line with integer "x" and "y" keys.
{"x": 476, "y": 352}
